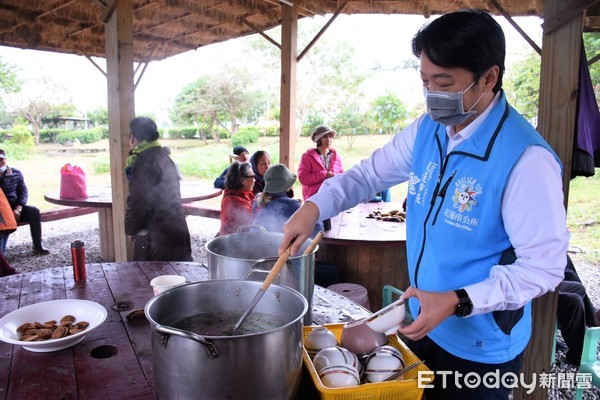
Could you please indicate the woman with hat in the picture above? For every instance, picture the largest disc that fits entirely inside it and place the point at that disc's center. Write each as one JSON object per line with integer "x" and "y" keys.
{"x": 273, "y": 208}
{"x": 320, "y": 163}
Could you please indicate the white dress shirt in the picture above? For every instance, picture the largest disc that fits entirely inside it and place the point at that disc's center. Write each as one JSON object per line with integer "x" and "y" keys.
{"x": 532, "y": 210}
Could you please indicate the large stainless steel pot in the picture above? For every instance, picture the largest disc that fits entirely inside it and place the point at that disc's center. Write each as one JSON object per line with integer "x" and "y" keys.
{"x": 251, "y": 255}
{"x": 264, "y": 365}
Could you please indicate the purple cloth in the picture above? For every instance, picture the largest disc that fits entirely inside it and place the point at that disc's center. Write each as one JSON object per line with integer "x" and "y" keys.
{"x": 587, "y": 132}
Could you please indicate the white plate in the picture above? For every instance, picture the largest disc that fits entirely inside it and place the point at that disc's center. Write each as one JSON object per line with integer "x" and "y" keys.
{"x": 82, "y": 310}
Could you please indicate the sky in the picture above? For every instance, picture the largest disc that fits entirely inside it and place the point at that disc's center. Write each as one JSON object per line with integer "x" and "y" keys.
{"x": 379, "y": 40}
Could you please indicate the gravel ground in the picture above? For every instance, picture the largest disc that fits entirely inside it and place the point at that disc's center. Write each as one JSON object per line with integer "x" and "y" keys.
{"x": 59, "y": 234}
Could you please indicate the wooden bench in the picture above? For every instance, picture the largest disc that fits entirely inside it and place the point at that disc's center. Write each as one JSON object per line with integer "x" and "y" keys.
{"x": 61, "y": 213}
{"x": 195, "y": 209}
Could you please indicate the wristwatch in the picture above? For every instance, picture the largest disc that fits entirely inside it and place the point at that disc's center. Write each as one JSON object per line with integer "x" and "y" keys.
{"x": 465, "y": 306}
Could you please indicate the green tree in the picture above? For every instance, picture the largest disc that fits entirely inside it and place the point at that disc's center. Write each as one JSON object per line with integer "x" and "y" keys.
{"x": 217, "y": 101}
{"x": 99, "y": 116}
{"x": 591, "y": 42}
{"x": 388, "y": 113}
{"x": 523, "y": 85}
{"x": 9, "y": 82}
{"x": 39, "y": 110}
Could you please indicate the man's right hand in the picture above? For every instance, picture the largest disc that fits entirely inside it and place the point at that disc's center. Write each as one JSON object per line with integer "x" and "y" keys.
{"x": 299, "y": 227}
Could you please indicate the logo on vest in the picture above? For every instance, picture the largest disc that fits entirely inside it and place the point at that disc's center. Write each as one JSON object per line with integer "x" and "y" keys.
{"x": 417, "y": 185}
{"x": 465, "y": 194}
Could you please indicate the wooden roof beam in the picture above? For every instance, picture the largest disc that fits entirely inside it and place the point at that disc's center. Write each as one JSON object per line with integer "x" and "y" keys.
{"x": 261, "y": 33}
{"x": 33, "y": 17}
{"x": 323, "y": 29}
{"x": 567, "y": 14}
{"x": 511, "y": 21}
{"x": 305, "y": 12}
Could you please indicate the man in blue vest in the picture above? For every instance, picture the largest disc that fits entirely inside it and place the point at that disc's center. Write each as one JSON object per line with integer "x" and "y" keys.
{"x": 486, "y": 224}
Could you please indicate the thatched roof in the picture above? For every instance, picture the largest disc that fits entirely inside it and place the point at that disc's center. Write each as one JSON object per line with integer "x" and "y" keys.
{"x": 163, "y": 28}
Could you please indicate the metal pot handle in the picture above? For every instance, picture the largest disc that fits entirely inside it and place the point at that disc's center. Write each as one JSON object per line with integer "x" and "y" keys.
{"x": 253, "y": 268}
{"x": 251, "y": 228}
{"x": 167, "y": 330}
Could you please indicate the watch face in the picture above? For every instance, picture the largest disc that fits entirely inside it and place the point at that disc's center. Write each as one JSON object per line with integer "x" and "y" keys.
{"x": 464, "y": 309}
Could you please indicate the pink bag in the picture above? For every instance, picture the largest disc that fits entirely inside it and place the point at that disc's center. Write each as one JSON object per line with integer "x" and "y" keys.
{"x": 72, "y": 182}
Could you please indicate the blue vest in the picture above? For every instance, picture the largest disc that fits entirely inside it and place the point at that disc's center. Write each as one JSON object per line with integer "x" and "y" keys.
{"x": 456, "y": 231}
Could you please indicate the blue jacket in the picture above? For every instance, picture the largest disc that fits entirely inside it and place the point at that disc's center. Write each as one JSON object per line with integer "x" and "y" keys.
{"x": 458, "y": 196}
{"x": 275, "y": 213}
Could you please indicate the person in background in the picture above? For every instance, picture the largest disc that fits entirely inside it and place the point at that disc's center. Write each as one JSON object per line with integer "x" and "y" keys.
{"x": 13, "y": 185}
{"x": 8, "y": 224}
{"x": 384, "y": 195}
{"x": 236, "y": 204}
{"x": 154, "y": 217}
{"x": 477, "y": 252}
{"x": 320, "y": 163}
{"x": 242, "y": 155}
{"x": 574, "y": 313}
{"x": 273, "y": 208}
{"x": 260, "y": 161}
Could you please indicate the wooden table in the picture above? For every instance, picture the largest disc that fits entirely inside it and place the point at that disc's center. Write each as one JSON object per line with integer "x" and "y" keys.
{"x": 367, "y": 251}
{"x": 79, "y": 372}
{"x": 101, "y": 198}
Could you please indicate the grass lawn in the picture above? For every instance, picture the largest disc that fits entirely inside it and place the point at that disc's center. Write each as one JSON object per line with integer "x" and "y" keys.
{"x": 197, "y": 160}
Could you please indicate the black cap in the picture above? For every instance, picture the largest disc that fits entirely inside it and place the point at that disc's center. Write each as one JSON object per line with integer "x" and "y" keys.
{"x": 237, "y": 150}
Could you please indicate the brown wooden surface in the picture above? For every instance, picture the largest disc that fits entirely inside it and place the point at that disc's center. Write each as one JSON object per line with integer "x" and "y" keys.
{"x": 367, "y": 251}
{"x": 74, "y": 373}
{"x": 100, "y": 197}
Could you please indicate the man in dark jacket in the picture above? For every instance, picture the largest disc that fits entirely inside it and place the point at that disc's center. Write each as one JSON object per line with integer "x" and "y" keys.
{"x": 242, "y": 155}
{"x": 13, "y": 185}
{"x": 154, "y": 218}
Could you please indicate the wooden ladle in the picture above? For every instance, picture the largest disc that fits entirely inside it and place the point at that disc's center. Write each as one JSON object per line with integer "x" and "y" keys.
{"x": 269, "y": 279}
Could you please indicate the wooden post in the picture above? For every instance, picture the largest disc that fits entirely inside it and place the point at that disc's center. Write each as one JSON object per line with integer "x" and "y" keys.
{"x": 121, "y": 109}
{"x": 556, "y": 123}
{"x": 289, "y": 39}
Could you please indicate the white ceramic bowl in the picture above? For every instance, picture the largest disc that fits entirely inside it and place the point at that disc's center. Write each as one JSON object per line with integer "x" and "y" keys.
{"x": 82, "y": 310}
{"x": 389, "y": 319}
{"x": 319, "y": 338}
{"x": 335, "y": 355}
{"x": 382, "y": 365}
{"x": 337, "y": 376}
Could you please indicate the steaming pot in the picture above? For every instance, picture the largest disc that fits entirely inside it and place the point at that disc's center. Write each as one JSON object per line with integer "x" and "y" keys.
{"x": 251, "y": 255}
{"x": 262, "y": 365}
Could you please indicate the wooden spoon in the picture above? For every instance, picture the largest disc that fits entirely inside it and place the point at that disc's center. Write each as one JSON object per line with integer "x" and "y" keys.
{"x": 269, "y": 279}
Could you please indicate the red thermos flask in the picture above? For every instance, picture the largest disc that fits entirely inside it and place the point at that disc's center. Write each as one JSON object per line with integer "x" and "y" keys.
{"x": 78, "y": 255}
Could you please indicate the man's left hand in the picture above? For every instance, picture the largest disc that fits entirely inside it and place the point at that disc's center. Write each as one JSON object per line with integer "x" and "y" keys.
{"x": 435, "y": 308}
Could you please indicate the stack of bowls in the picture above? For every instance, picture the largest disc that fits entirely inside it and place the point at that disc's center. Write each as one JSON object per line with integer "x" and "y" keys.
{"x": 337, "y": 367}
{"x": 382, "y": 363}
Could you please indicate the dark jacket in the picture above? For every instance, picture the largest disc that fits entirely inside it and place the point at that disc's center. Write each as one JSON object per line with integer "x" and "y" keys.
{"x": 220, "y": 181}
{"x": 154, "y": 204}
{"x": 13, "y": 185}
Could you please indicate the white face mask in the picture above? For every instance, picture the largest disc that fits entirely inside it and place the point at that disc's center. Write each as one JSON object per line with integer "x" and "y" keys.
{"x": 447, "y": 108}
{"x": 3, "y": 168}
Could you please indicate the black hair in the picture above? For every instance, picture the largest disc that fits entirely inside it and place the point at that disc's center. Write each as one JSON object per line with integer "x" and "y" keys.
{"x": 143, "y": 129}
{"x": 233, "y": 178}
{"x": 469, "y": 39}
